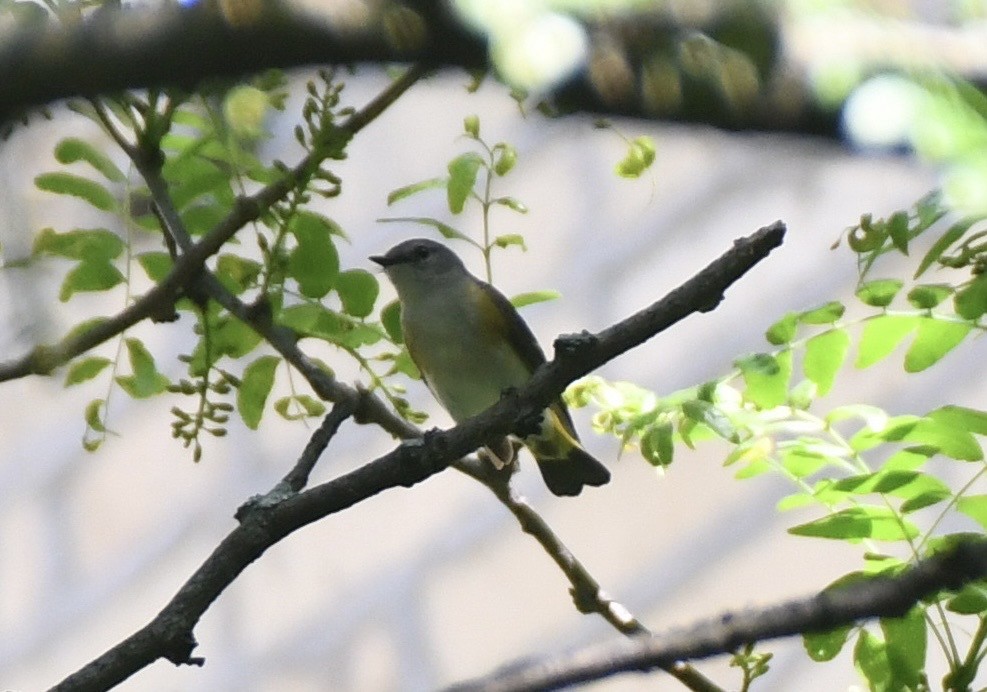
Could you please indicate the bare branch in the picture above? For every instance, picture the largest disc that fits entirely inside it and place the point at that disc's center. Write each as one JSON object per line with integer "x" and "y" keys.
{"x": 170, "y": 636}
{"x": 876, "y": 597}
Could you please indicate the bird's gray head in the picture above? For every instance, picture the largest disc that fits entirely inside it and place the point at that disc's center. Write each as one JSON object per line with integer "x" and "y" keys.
{"x": 420, "y": 262}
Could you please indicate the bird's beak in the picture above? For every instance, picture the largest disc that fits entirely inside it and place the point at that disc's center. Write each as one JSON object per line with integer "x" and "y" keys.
{"x": 381, "y": 260}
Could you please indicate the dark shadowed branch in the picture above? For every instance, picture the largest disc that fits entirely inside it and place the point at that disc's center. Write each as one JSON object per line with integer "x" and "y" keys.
{"x": 872, "y": 598}
{"x": 170, "y": 634}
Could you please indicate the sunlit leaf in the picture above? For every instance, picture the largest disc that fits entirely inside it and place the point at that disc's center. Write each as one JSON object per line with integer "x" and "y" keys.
{"x": 856, "y": 523}
{"x": 462, "y": 178}
{"x": 68, "y": 184}
{"x": 975, "y": 507}
{"x": 824, "y": 356}
{"x": 935, "y": 338}
{"x": 73, "y": 149}
{"x": 905, "y": 644}
{"x": 255, "y": 386}
{"x": 881, "y": 335}
{"x": 766, "y": 378}
{"x": 971, "y": 300}
{"x": 783, "y": 331}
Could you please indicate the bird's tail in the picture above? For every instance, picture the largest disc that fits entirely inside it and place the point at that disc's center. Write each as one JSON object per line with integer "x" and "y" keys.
{"x": 564, "y": 464}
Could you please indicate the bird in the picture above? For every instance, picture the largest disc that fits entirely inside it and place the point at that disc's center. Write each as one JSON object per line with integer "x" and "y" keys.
{"x": 471, "y": 345}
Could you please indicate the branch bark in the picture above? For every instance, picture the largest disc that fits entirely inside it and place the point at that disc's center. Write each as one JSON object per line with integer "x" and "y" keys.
{"x": 877, "y": 597}
{"x": 170, "y": 634}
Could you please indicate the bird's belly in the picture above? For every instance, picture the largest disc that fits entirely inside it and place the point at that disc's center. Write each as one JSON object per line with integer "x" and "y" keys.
{"x": 466, "y": 373}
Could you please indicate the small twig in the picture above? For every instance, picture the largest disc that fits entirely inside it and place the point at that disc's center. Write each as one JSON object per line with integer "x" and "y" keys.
{"x": 297, "y": 478}
{"x": 875, "y": 597}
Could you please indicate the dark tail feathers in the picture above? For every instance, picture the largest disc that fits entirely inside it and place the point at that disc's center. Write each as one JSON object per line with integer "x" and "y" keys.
{"x": 566, "y": 477}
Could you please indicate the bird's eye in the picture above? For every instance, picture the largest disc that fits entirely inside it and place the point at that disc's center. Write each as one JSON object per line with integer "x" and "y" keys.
{"x": 422, "y": 252}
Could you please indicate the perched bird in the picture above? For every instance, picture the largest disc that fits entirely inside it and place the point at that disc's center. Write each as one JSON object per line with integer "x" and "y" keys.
{"x": 471, "y": 345}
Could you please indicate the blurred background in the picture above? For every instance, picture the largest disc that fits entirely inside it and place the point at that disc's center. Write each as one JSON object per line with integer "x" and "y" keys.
{"x": 415, "y": 589}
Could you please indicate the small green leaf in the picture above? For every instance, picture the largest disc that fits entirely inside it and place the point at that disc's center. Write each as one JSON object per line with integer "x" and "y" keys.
{"x": 90, "y": 275}
{"x": 783, "y": 331}
{"x": 72, "y": 149}
{"x": 879, "y": 293}
{"x": 506, "y": 159}
{"x": 640, "y": 155}
{"x": 881, "y": 335}
{"x": 409, "y": 190}
{"x": 961, "y": 417}
{"x": 68, "y": 184}
{"x": 898, "y": 231}
{"x": 255, "y": 386}
{"x": 532, "y": 297}
{"x": 145, "y": 380}
{"x": 462, "y": 178}
{"x": 471, "y": 125}
{"x": 935, "y": 338}
{"x": 856, "y": 523}
{"x": 85, "y": 369}
{"x": 80, "y": 244}
{"x": 94, "y": 412}
{"x": 971, "y": 300}
{"x": 870, "y": 658}
{"x": 824, "y": 314}
{"x": 975, "y": 507}
{"x": 358, "y": 290}
{"x": 905, "y": 645}
{"x": 314, "y": 262}
{"x": 954, "y": 233}
{"x": 825, "y": 646}
{"x": 712, "y": 417}
{"x": 657, "y": 444}
{"x": 955, "y": 443}
{"x": 824, "y": 356}
{"x": 928, "y": 296}
{"x": 971, "y": 600}
{"x": 512, "y": 204}
{"x": 156, "y": 264}
{"x": 766, "y": 378}
{"x": 309, "y": 407}
{"x": 319, "y": 322}
{"x": 233, "y": 338}
{"x": 510, "y": 239}
{"x": 390, "y": 317}
{"x": 237, "y": 273}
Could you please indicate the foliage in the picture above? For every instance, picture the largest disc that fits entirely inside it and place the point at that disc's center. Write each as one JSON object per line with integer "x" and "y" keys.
{"x": 872, "y": 475}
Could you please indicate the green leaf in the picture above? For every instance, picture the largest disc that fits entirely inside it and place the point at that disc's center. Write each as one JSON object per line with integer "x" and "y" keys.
{"x": 975, "y": 507}
{"x": 145, "y": 380}
{"x": 90, "y": 275}
{"x": 255, "y": 386}
{"x": 68, "y": 184}
{"x": 85, "y": 369}
{"x": 961, "y": 417}
{"x": 237, "y": 273}
{"x": 928, "y": 296}
{"x": 783, "y": 331}
{"x": 871, "y": 660}
{"x": 712, "y": 417}
{"x": 94, "y": 413}
{"x": 471, "y": 125}
{"x": 905, "y": 645}
{"x": 156, "y": 264}
{"x": 824, "y": 356}
{"x": 935, "y": 338}
{"x": 462, "y": 178}
{"x": 314, "y": 262}
{"x": 824, "y": 314}
{"x": 72, "y": 149}
{"x": 409, "y": 190}
{"x": 801, "y": 463}
{"x": 657, "y": 444}
{"x": 309, "y": 407}
{"x": 506, "y": 159}
{"x": 857, "y": 523}
{"x": 825, "y": 646}
{"x": 512, "y": 204}
{"x": 898, "y": 231}
{"x": 640, "y": 155}
{"x": 881, "y": 335}
{"x": 445, "y": 229}
{"x": 532, "y": 297}
{"x": 954, "y": 233}
{"x": 233, "y": 338}
{"x": 358, "y": 290}
{"x": 879, "y": 293}
{"x": 971, "y": 600}
{"x": 894, "y": 430}
{"x": 390, "y": 317}
{"x": 80, "y": 244}
{"x": 971, "y": 300}
{"x": 319, "y": 322}
{"x": 766, "y": 378}
{"x": 955, "y": 443}
{"x": 510, "y": 239}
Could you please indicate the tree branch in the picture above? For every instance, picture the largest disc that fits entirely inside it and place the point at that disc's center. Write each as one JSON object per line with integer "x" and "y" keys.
{"x": 169, "y": 635}
{"x": 876, "y": 597}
